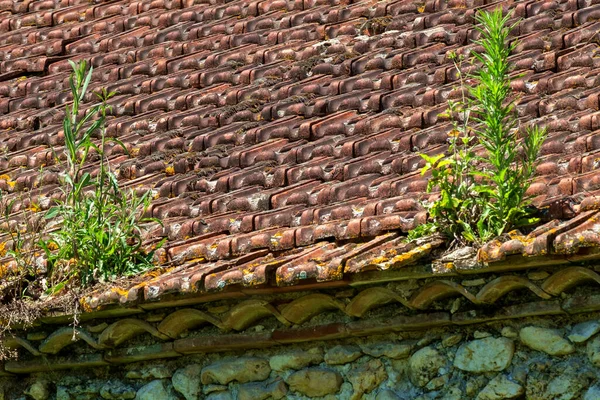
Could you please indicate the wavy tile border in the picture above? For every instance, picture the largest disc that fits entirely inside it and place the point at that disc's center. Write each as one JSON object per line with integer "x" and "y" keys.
{"x": 248, "y": 313}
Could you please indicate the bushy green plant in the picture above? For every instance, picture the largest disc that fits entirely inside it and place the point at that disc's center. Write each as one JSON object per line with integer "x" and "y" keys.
{"x": 483, "y": 197}
{"x": 100, "y": 234}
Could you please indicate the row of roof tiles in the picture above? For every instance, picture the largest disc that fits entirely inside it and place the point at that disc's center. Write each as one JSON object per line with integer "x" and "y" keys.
{"x": 276, "y": 124}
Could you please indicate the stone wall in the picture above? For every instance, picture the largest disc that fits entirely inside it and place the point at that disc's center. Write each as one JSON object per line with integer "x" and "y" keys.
{"x": 544, "y": 358}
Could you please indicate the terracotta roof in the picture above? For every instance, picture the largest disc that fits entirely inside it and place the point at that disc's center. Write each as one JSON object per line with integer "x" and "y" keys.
{"x": 282, "y": 138}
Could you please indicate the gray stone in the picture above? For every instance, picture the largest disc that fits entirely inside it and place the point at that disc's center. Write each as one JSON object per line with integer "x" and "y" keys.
{"x": 155, "y": 390}
{"x": 424, "y": 365}
{"x": 453, "y": 393}
{"x": 296, "y": 359}
{"x": 593, "y": 393}
{"x": 117, "y": 390}
{"x": 261, "y": 391}
{"x": 342, "y": 354}
{"x": 366, "y": 377}
{"x": 565, "y": 387}
{"x": 593, "y": 351}
{"x": 400, "y": 370}
{"x": 206, "y": 389}
{"x": 240, "y": 369}
{"x": 437, "y": 382}
{"x": 315, "y": 382}
{"x": 549, "y": 341}
{"x": 501, "y": 388}
{"x": 474, "y": 385}
{"x": 583, "y": 331}
{"x": 387, "y": 394}
{"x": 220, "y": 396}
{"x": 481, "y": 334}
{"x": 61, "y": 393}
{"x": 187, "y": 381}
{"x": 387, "y": 349}
{"x": 485, "y": 355}
{"x": 38, "y": 390}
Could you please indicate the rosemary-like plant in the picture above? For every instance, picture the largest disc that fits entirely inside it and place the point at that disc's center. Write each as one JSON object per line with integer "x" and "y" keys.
{"x": 483, "y": 197}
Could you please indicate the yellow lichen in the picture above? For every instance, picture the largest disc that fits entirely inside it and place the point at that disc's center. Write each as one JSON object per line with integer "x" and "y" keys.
{"x": 84, "y": 305}
{"x": 170, "y": 170}
{"x": 34, "y": 207}
{"x": 380, "y": 260}
{"x": 119, "y": 291}
{"x": 8, "y": 180}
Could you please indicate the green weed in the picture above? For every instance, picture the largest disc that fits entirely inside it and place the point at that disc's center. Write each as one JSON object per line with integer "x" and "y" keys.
{"x": 484, "y": 197}
{"x": 100, "y": 233}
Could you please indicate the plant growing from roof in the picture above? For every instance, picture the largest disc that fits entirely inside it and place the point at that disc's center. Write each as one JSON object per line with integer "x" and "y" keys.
{"x": 100, "y": 233}
{"x": 23, "y": 229}
{"x": 484, "y": 197}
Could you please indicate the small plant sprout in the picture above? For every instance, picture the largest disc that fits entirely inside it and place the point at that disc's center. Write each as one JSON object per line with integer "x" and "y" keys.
{"x": 481, "y": 197}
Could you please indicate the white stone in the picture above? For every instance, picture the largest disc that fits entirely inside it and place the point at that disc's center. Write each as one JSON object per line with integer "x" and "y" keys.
{"x": 550, "y": 341}
{"x": 387, "y": 394}
{"x": 296, "y": 359}
{"x": 220, "y": 396}
{"x": 424, "y": 365}
{"x": 39, "y": 390}
{"x": 593, "y": 393}
{"x": 207, "y": 389}
{"x": 593, "y": 351}
{"x": 342, "y": 354}
{"x": 437, "y": 383}
{"x": 262, "y": 391}
{"x": 155, "y": 390}
{"x": 187, "y": 381}
{"x": 565, "y": 387}
{"x": 583, "y": 331}
{"x": 501, "y": 388}
{"x": 485, "y": 355}
{"x": 117, "y": 390}
{"x": 366, "y": 377}
{"x": 315, "y": 382}
{"x": 61, "y": 394}
{"x": 387, "y": 349}
{"x": 453, "y": 393}
{"x": 243, "y": 370}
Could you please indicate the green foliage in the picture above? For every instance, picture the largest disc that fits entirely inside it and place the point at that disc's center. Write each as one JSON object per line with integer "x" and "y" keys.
{"x": 100, "y": 235}
{"x": 483, "y": 197}
{"x": 22, "y": 235}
